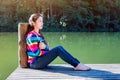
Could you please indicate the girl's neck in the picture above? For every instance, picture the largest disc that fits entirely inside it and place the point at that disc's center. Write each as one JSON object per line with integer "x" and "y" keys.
{"x": 36, "y": 30}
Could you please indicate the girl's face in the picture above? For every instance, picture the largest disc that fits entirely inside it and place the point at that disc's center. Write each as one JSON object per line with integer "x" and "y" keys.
{"x": 39, "y": 23}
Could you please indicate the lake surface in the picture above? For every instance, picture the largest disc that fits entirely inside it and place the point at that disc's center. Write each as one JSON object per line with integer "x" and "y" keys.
{"x": 87, "y": 47}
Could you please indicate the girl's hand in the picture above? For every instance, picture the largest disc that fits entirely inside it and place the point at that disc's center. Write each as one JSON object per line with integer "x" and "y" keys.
{"x": 42, "y": 45}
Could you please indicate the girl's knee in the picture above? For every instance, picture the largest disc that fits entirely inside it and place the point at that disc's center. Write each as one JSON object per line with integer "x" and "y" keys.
{"x": 59, "y": 47}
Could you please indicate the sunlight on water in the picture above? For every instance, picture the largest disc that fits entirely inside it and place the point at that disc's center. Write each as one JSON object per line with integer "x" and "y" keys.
{"x": 63, "y": 37}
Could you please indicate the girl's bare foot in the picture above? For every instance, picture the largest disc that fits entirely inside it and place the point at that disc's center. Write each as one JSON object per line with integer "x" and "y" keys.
{"x": 82, "y": 67}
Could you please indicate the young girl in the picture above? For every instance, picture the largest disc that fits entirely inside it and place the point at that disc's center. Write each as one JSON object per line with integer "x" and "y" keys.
{"x": 39, "y": 54}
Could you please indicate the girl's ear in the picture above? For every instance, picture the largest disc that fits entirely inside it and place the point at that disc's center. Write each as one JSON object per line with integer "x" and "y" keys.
{"x": 33, "y": 23}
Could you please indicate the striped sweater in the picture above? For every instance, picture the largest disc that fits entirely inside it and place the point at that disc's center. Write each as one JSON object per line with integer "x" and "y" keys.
{"x": 33, "y": 39}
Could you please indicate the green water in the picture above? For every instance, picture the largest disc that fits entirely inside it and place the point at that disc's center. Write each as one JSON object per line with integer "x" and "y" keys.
{"x": 87, "y": 47}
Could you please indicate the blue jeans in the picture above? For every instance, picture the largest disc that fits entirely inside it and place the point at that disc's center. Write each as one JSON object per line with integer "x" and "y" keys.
{"x": 43, "y": 61}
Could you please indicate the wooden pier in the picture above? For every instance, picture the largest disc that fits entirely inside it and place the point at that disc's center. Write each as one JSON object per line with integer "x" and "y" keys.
{"x": 66, "y": 72}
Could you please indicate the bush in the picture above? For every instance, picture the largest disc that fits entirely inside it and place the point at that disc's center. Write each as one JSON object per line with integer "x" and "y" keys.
{"x": 63, "y": 15}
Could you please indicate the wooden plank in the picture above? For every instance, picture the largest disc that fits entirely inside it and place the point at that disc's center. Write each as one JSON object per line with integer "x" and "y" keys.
{"x": 66, "y": 72}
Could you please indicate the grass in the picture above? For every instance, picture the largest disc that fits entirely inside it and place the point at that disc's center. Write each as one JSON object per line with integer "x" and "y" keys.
{"x": 87, "y": 47}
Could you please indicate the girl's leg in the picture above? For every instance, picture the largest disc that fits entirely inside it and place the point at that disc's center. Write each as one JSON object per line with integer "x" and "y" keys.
{"x": 66, "y": 56}
{"x": 44, "y": 60}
